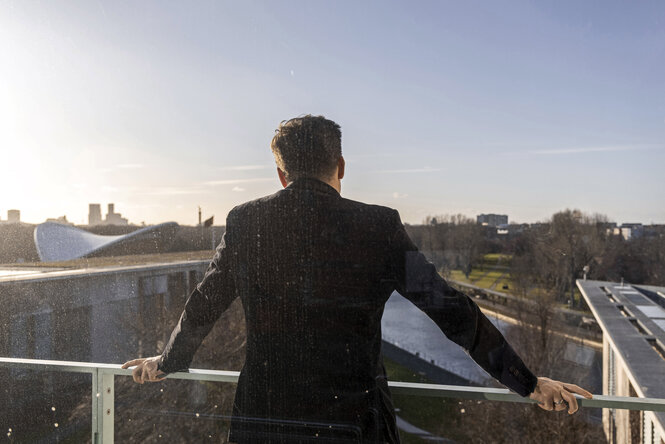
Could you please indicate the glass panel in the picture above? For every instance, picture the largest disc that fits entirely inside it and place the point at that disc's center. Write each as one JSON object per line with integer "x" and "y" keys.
{"x": 172, "y": 411}
{"x": 45, "y": 406}
{"x": 428, "y": 419}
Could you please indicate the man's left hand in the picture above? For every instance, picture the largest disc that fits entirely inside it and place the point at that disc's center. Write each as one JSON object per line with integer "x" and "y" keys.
{"x": 556, "y": 395}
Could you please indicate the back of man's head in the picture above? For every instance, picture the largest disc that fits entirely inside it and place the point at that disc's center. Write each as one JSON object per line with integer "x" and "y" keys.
{"x": 308, "y": 146}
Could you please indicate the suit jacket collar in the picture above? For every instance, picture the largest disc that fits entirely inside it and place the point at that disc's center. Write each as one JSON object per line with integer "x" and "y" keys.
{"x": 309, "y": 183}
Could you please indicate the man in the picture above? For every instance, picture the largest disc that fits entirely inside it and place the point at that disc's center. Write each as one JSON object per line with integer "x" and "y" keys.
{"x": 314, "y": 271}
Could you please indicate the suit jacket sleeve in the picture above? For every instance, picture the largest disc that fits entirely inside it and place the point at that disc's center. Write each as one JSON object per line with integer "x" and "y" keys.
{"x": 206, "y": 303}
{"x": 455, "y": 314}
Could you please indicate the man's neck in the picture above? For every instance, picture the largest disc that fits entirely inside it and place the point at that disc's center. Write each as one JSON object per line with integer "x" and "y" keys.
{"x": 335, "y": 183}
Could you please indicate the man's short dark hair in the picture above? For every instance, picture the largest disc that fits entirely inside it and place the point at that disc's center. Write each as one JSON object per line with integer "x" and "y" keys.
{"x": 307, "y": 146}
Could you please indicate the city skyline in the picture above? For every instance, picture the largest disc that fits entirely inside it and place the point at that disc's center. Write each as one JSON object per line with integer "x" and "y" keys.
{"x": 112, "y": 218}
{"x": 520, "y": 109}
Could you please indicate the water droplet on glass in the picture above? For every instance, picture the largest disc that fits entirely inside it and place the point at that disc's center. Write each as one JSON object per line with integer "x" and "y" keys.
{"x": 197, "y": 415}
{"x": 53, "y": 409}
{"x": 56, "y": 424}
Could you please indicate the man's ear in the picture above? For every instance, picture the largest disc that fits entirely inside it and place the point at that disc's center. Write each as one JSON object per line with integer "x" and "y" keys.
{"x": 340, "y": 167}
{"x": 282, "y": 177}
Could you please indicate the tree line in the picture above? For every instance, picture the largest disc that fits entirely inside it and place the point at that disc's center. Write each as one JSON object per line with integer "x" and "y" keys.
{"x": 550, "y": 255}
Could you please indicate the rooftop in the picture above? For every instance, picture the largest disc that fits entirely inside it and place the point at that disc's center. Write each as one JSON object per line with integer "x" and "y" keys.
{"x": 632, "y": 318}
{"x": 58, "y": 242}
{"x": 39, "y": 270}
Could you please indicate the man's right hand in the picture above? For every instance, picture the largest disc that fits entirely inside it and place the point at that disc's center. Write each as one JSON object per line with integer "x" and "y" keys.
{"x": 146, "y": 369}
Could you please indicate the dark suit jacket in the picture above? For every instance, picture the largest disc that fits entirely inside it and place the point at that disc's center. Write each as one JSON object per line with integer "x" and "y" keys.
{"x": 313, "y": 271}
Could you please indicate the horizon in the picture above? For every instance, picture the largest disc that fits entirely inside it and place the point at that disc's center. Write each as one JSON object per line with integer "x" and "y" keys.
{"x": 422, "y": 222}
{"x": 445, "y": 108}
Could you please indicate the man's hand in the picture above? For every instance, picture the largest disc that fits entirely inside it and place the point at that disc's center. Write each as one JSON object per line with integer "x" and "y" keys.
{"x": 146, "y": 370}
{"x": 555, "y": 395}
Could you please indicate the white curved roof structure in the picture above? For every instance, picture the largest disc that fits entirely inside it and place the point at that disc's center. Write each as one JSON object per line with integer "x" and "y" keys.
{"x": 57, "y": 242}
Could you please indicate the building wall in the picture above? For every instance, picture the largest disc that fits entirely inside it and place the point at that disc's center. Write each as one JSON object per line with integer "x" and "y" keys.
{"x": 492, "y": 220}
{"x": 106, "y": 317}
{"x": 625, "y": 426}
{"x": 94, "y": 214}
{"x": 86, "y": 318}
{"x": 13, "y": 216}
{"x": 608, "y": 389}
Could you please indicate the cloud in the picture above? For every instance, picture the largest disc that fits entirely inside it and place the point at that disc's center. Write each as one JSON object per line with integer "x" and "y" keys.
{"x": 239, "y": 181}
{"x": 587, "y": 149}
{"x": 397, "y": 195}
{"x": 173, "y": 191}
{"x": 357, "y": 157}
{"x": 247, "y": 167}
{"x": 409, "y": 170}
{"x": 157, "y": 190}
{"x": 237, "y": 189}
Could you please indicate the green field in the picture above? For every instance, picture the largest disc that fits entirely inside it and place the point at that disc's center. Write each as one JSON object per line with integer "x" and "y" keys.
{"x": 505, "y": 280}
{"x": 484, "y": 279}
{"x": 492, "y": 273}
{"x": 495, "y": 259}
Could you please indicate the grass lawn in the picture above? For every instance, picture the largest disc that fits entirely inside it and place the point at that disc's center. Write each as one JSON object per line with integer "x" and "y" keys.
{"x": 494, "y": 259}
{"x": 483, "y": 279}
{"x": 504, "y": 281}
{"x": 488, "y": 279}
{"x": 457, "y": 275}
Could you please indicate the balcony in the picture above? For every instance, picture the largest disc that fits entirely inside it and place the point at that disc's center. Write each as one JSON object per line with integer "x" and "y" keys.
{"x": 103, "y": 391}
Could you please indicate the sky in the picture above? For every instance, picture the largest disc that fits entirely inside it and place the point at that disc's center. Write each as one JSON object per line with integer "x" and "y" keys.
{"x": 520, "y": 108}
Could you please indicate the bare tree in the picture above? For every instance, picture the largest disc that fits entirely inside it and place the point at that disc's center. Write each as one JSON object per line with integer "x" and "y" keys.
{"x": 558, "y": 250}
{"x": 460, "y": 237}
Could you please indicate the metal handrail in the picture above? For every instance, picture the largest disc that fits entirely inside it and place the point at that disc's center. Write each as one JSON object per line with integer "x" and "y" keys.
{"x": 397, "y": 387}
{"x": 103, "y": 390}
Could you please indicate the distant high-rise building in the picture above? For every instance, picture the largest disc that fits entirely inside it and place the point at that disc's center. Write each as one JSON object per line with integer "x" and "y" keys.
{"x": 94, "y": 214}
{"x": 492, "y": 220}
{"x": 113, "y": 218}
{"x": 13, "y": 216}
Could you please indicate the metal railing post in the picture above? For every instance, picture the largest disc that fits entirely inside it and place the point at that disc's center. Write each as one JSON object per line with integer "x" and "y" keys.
{"x": 95, "y": 406}
{"x": 103, "y": 406}
{"x": 107, "y": 406}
